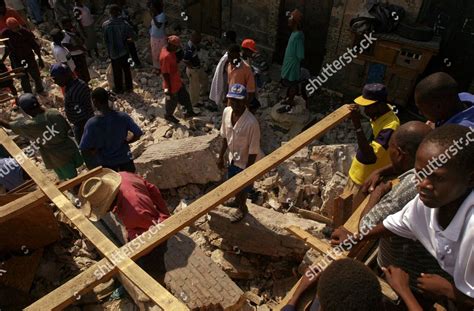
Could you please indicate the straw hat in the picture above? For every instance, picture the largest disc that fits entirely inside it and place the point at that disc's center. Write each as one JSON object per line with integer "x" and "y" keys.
{"x": 98, "y": 193}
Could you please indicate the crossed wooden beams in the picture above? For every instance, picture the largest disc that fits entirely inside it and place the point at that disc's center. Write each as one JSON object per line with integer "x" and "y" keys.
{"x": 84, "y": 282}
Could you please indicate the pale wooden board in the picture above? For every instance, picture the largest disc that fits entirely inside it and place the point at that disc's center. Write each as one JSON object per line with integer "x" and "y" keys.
{"x": 63, "y": 296}
{"x": 133, "y": 272}
{"x": 25, "y": 202}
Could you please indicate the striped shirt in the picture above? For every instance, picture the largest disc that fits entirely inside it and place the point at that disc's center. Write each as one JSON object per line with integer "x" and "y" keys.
{"x": 116, "y": 33}
{"x": 407, "y": 254}
{"x": 77, "y": 102}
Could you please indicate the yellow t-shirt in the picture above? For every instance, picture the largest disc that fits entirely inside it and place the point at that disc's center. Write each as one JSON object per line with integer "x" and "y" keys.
{"x": 382, "y": 129}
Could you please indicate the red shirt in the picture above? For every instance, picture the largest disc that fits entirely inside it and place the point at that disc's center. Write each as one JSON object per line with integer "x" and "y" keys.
{"x": 169, "y": 64}
{"x": 139, "y": 203}
{"x": 10, "y": 13}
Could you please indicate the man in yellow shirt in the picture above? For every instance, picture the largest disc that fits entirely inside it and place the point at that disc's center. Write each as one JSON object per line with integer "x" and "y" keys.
{"x": 371, "y": 155}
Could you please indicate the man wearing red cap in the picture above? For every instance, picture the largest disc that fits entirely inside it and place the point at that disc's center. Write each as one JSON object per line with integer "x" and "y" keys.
{"x": 173, "y": 87}
{"x": 198, "y": 80}
{"x": 20, "y": 47}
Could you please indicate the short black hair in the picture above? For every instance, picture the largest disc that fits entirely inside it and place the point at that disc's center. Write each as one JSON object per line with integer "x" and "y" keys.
{"x": 101, "y": 95}
{"x": 57, "y": 35}
{"x": 439, "y": 87}
{"x": 445, "y": 136}
{"x": 347, "y": 284}
{"x": 114, "y": 10}
{"x": 409, "y": 136}
{"x": 234, "y": 48}
{"x": 231, "y": 36}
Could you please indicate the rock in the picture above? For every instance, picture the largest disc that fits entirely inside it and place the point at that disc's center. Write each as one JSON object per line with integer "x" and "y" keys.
{"x": 233, "y": 266}
{"x": 268, "y": 225}
{"x": 333, "y": 189}
{"x": 176, "y": 163}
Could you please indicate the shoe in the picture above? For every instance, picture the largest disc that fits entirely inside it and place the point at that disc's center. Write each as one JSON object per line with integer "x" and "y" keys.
{"x": 239, "y": 214}
{"x": 172, "y": 119}
{"x": 191, "y": 114}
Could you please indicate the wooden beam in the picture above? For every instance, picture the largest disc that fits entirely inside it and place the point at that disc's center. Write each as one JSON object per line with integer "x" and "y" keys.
{"x": 326, "y": 249}
{"x": 342, "y": 209}
{"x": 61, "y": 296}
{"x": 314, "y": 216}
{"x": 36, "y": 198}
{"x": 127, "y": 267}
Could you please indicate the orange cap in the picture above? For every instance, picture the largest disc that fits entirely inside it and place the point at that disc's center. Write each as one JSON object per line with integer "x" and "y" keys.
{"x": 174, "y": 40}
{"x": 12, "y": 23}
{"x": 249, "y": 44}
{"x": 297, "y": 16}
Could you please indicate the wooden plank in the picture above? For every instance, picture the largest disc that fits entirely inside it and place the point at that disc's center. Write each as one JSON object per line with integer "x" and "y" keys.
{"x": 352, "y": 224}
{"x": 326, "y": 249}
{"x": 64, "y": 295}
{"x": 129, "y": 269}
{"x": 315, "y": 216}
{"x": 24, "y": 186}
{"x": 36, "y": 198}
{"x": 342, "y": 209}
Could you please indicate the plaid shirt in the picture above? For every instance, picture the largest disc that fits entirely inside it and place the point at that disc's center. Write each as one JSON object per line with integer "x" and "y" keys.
{"x": 407, "y": 254}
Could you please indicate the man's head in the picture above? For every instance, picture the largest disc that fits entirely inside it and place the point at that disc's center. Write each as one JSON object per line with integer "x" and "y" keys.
{"x": 404, "y": 143}
{"x": 445, "y": 165}
{"x": 233, "y": 53}
{"x": 237, "y": 96}
{"x": 436, "y": 97}
{"x": 100, "y": 99}
{"x": 57, "y": 35}
{"x": 61, "y": 74}
{"x": 347, "y": 282}
{"x": 29, "y": 104}
{"x": 295, "y": 20}
{"x": 78, "y": 3}
{"x": 13, "y": 24}
{"x": 249, "y": 48}
{"x": 196, "y": 37}
{"x": 114, "y": 10}
{"x": 373, "y": 100}
{"x": 174, "y": 43}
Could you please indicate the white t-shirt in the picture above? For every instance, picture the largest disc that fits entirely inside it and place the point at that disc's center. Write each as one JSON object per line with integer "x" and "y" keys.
{"x": 453, "y": 247}
{"x": 67, "y": 39}
{"x": 62, "y": 55}
{"x": 243, "y": 138}
{"x": 86, "y": 16}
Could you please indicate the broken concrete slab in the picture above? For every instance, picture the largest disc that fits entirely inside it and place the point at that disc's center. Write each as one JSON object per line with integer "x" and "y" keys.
{"x": 233, "y": 265}
{"x": 176, "y": 163}
{"x": 262, "y": 231}
{"x": 334, "y": 188}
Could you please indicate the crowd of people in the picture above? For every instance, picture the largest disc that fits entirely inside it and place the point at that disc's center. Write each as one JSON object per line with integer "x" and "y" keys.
{"x": 424, "y": 223}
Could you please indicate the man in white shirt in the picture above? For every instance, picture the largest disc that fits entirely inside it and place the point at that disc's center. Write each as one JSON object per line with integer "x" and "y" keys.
{"x": 61, "y": 54}
{"x": 241, "y": 133}
{"x": 441, "y": 216}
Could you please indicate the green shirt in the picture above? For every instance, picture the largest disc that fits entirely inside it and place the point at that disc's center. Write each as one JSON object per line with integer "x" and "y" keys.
{"x": 294, "y": 54}
{"x": 47, "y": 132}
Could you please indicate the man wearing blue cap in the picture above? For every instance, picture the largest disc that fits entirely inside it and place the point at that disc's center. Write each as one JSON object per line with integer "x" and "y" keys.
{"x": 47, "y": 130}
{"x": 371, "y": 155}
{"x": 77, "y": 98}
{"x": 241, "y": 133}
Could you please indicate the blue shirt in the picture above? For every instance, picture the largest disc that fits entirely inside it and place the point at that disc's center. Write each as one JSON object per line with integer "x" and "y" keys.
{"x": 191, "y": 54}
{"x": 107, "y": 134}
{"x": 158, "y": 32}
{"x": 466, "y": 117}
{"x": 11, "y": 174}
{"x": 116, "y": 33}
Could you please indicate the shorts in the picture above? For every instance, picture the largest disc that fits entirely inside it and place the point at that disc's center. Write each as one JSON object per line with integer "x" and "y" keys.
{"x": 234, "y": 170}
{"x": 68, "y": 171}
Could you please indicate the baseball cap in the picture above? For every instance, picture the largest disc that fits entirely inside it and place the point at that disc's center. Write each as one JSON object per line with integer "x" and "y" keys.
{"x": 237, "y": 91}
{"x": 59, "y": 70}
{"x": 297, "y": 15}
{"x": 12, "y": 23}
{"x": 174, "y": 40}
{"x": 28, "y": 101}
{"x": 372, "y": 93}
{"x": 249, "y": 44}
